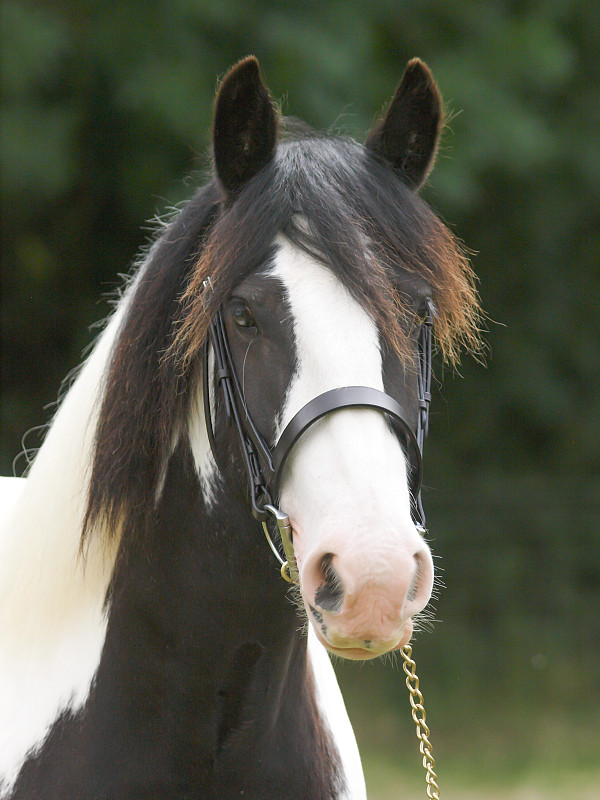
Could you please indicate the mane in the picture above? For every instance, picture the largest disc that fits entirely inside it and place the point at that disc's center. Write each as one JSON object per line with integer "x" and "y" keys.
{"x": 145, "y": 394}
{"x": 330, "y": 197}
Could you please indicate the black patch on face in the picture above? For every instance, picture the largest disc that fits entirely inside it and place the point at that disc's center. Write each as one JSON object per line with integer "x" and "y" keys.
{"x": 267, "y": 349}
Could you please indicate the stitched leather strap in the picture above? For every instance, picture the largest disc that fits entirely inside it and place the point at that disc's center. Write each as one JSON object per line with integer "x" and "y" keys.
{"x": 335, "y": 400}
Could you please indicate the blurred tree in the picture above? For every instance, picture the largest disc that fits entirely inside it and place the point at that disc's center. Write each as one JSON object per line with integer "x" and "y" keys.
{"x": 106, "y": 109}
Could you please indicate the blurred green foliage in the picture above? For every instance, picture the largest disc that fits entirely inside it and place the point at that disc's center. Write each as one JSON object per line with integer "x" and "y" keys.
{"x": 106, "y": 109}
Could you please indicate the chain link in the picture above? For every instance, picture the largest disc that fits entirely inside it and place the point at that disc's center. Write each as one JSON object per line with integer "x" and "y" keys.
{"x": 418, "y": 715}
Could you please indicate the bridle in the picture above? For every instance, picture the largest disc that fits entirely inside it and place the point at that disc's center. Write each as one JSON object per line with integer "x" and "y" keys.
{"x": 264, "y": 465}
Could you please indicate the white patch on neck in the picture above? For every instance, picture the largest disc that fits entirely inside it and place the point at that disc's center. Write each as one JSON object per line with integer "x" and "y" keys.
{"x": 52, "y": 614}
{"x": 333, "y": 713}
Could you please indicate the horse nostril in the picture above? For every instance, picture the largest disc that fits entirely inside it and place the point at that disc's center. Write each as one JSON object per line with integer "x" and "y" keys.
{"x": 419, "y": 590}
{"x": 413, "y": 589}
{"x": 330, "y": 594}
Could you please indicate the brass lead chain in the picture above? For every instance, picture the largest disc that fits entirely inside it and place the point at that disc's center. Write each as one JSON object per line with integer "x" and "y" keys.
{"x": 418, "y": 715}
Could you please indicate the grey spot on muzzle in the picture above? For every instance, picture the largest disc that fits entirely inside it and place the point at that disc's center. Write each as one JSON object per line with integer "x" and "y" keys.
{"x": 330, "y": 595}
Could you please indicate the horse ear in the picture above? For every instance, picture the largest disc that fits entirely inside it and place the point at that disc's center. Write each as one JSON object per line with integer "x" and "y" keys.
{"x": 245, "y": 126}
{"x": 407, "y": 136}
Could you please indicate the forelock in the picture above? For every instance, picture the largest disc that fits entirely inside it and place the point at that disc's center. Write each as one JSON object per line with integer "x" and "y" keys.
{"x": 351, "y": 211}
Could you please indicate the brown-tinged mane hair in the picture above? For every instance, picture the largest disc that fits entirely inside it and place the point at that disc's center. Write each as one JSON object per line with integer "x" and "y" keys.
{"x": 329, "y": 196}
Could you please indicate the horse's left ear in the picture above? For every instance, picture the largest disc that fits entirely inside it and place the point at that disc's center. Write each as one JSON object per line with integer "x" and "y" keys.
{"x": 408, "y": 135}
{"x": 245, "y": 126}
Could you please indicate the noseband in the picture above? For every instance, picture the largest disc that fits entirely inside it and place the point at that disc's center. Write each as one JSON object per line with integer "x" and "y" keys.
{"x": 264, "y": 465}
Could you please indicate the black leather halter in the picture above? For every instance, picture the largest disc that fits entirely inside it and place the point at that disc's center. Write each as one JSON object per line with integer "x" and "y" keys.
{"x": 264, "y": 465}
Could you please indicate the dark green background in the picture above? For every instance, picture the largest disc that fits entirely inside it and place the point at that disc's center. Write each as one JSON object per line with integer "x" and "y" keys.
{"x": 107, "y": 109}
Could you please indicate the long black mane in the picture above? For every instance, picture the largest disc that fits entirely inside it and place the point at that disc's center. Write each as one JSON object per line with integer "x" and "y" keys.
{"x": 329, "y": 196}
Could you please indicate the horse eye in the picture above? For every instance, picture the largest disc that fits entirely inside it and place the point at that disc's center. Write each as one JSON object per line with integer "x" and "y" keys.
{"x": 242, "y": 316}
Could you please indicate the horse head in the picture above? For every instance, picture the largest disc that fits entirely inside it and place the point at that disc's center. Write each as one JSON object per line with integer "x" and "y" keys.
{"x": 336, "y": 264}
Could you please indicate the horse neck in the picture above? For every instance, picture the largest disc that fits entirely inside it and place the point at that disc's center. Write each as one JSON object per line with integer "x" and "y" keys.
{"x": 57, "y": 615}
{"x": 197, "y": 609}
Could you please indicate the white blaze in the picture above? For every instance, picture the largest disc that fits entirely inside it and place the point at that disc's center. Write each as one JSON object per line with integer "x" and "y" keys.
{"x": 349, "y": 466}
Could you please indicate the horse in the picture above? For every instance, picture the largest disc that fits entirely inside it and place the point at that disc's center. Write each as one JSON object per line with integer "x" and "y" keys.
{"x": 148, "y": 646}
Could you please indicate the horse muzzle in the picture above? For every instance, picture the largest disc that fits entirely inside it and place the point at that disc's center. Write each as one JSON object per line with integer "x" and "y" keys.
{"x": 362, "y": 602}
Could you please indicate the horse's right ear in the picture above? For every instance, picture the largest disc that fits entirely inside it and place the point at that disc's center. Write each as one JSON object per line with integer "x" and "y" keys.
{"x": 407, "y": 136}
{"x": 245, "y": 126}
